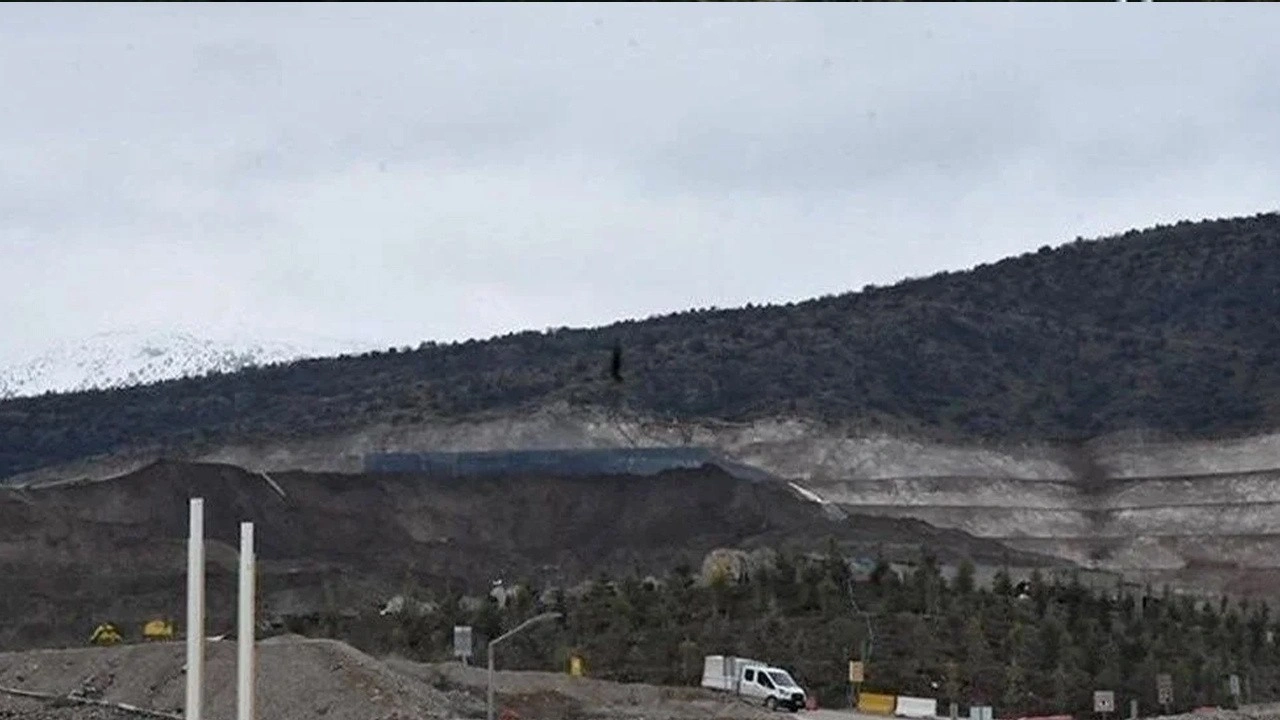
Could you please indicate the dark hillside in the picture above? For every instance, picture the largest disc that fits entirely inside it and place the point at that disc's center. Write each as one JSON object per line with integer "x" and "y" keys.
{"x": 1172, "y": 328}
{"x": 75, "y": 555}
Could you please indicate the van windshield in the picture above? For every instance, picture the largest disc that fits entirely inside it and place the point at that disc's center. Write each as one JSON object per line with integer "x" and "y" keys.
{"x": 782, "y": 679}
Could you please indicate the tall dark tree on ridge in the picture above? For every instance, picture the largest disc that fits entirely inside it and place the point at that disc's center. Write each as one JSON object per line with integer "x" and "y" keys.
{"x": 615, "y": 367}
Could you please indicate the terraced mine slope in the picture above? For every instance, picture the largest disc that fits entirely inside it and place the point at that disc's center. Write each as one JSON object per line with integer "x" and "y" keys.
{"x": 1202, "y": 514}
{"x": 1198, "y": 515}
{"x": 1195, "y": 515}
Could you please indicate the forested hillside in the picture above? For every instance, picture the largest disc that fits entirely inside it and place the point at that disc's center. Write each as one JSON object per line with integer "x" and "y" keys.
{"x": 1040, "y": 648}
{"x": 1172, "y": 328}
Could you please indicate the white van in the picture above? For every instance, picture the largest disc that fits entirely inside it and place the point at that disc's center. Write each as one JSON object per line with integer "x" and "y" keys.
{"x": 771, "y": 686}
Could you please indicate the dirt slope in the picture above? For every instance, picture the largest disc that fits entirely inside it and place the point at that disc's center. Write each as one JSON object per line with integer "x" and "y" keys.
{"x": 78, "y": 554}
{"x": 298, "y": 679}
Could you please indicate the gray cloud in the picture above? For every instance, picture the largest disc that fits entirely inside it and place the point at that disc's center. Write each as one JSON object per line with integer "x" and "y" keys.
{"x": 397, "y": 173}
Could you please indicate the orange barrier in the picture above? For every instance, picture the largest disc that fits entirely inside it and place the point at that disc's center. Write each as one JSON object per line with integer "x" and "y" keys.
{"x": 876, "y": 703}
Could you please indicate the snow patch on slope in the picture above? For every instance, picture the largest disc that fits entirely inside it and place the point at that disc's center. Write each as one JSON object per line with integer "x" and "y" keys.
{"x": 807, "y": 494}
{"x": 832, "y": 511}
{"x": 127, "y": 358}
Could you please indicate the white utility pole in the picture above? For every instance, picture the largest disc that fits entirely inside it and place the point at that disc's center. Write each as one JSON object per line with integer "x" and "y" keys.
{"x": 246, "y": 670}
{"x": 195, "y": 611}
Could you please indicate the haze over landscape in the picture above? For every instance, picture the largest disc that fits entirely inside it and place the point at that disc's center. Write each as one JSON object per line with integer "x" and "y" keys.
{"x": 939, "y": 336}
{"x": 395, "y": 174}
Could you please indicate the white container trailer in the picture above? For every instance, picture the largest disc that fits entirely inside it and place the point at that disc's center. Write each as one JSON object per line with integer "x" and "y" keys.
{"x": 754, "y": 680}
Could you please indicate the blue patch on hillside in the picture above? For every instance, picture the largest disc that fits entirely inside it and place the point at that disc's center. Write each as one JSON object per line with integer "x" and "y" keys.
{"x": 564, "y": 463}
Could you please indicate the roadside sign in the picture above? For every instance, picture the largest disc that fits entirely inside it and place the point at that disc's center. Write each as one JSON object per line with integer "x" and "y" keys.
{"x": 462, "y": 645}
{"x": 1164, "y": 688}
{"x": 575, "y": 666}
{"x": 979, "y": 712}
{"x": 1104, "y": 701}
{"x": 856, "y": 671}
{"x": 1234, "y": 681}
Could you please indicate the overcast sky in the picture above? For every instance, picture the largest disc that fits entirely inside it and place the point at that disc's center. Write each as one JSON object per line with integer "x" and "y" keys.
{"x": 397, "y": 173}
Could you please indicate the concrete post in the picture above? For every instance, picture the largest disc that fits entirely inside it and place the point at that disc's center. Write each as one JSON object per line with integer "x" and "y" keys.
{"x": 195, "y": 611}
{"x": 246, "y": 632}
{"x": 489, "y": 691}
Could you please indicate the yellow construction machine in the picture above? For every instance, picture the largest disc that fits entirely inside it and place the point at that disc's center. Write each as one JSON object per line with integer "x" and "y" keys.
{"x": 105, "y": 634}
{"x": 158, "y": 630}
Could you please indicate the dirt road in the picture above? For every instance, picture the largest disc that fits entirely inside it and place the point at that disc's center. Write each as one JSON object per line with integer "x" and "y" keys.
{"x": 558, "y": 695}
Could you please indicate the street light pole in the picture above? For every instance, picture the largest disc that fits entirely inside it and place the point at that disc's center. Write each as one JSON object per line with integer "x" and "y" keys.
{"x": 866, "y": 644}
{"x": 866, "y": 616}
{"x": 531, "y": 621}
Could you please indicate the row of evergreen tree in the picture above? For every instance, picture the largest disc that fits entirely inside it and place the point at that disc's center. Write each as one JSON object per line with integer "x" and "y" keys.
{"x": 1037, "y": 647}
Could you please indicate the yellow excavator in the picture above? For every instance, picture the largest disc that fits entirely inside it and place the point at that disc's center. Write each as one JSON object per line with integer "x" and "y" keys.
{"x": 105, "y": 634}
{"x": 158, "y": 630}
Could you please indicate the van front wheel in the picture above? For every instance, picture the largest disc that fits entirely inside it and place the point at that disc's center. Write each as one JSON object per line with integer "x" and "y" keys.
{"x": 771, "y": 703}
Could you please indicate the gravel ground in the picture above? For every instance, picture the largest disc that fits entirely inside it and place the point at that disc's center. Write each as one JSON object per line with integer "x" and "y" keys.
{"x": 12, "y": 708}
{"x": 297, "y": 680}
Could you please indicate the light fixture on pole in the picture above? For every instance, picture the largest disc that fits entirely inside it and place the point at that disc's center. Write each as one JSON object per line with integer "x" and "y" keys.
{"x": 492, "y": 643}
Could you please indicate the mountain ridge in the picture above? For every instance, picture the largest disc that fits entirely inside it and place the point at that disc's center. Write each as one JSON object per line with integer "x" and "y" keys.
{"x": 1168, "y": 330}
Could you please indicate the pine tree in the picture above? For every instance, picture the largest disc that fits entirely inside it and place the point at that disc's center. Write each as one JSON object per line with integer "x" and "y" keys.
{"x": 978, "y": 667}
{"x": 1060, "y": 690}
{"x": 1014, "y": 699}
{"x": 964, "y": 584}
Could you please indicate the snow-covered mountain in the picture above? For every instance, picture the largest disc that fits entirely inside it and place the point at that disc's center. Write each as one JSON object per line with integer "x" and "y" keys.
{"x": 121, "y": 359}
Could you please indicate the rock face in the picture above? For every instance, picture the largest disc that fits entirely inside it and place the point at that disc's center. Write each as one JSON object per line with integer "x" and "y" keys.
{"x": 77, "y": 554}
